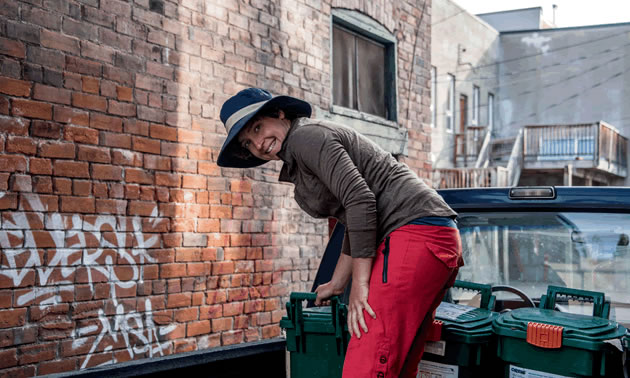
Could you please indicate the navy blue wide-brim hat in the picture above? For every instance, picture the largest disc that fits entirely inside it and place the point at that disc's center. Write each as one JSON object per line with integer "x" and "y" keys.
{"x": 242, "y": 107}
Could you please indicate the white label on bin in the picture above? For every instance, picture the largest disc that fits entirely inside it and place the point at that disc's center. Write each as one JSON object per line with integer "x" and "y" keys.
{"x": 435, "y": 347}
{"x": 519, "y": 372}
{"x": 451, "y": 311}
{"x": 430, "y": 369}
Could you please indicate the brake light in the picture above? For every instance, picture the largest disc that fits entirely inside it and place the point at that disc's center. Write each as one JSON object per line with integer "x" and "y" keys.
{"x": 533, "y": 192}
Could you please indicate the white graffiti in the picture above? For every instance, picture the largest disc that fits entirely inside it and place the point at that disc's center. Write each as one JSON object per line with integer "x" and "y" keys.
{"x": 537, "y": 41}
{"x": 75, "y": 244}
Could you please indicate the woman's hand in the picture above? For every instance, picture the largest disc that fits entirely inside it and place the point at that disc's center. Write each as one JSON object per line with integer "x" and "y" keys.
{"x": 325, "y": 291}
{"x": 359, "y": 297}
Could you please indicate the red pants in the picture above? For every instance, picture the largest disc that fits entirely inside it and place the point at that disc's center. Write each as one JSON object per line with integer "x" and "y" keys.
{"x": 405, "y": 289}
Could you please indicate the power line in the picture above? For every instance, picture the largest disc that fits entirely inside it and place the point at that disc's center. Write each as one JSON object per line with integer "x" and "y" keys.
{"x": 537, "y": 68}
{"x": 473, "y": 67}
{"x": 448, "y": 18}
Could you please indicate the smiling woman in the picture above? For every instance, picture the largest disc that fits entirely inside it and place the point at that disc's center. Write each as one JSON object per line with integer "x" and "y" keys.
{"x": 401, "y": 247}
{"x": 264, "y": 134}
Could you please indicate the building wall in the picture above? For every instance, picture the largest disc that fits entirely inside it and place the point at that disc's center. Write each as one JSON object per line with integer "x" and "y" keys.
{"x": 121, "y": 239}
{"x": 519, "y": 19}
{"x": 464, "y": 46}
{"x": 565, "y": 76}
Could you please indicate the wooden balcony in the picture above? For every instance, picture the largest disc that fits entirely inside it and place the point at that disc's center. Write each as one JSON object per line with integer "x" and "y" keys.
{"x": 468, "y": 145}
{"x": 444, "y": 178}
{"x": 596, "y": 146}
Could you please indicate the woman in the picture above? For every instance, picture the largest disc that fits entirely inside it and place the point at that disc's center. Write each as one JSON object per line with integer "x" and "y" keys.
{"x": 401, "y": 248}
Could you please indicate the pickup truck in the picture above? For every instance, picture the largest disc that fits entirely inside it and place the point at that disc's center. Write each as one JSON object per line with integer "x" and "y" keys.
{"x": 526, "y": 238}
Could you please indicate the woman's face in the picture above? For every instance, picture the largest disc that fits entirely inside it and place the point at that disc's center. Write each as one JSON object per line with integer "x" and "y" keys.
{"x": 264, "y": 136}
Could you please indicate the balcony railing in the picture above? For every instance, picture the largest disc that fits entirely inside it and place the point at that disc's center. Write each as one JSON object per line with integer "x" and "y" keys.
{"x": 444, "y": 178}
{"x": 596, "y": 145}
{"x": 468, "y": 144}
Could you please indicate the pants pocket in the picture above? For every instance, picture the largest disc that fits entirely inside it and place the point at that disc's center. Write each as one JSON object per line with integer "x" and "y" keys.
{"x": 447, "y": 252}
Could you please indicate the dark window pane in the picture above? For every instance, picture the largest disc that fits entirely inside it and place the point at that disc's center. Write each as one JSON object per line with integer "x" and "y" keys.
{"x": 371, "y": 77}
{"x": 343, "y": 68}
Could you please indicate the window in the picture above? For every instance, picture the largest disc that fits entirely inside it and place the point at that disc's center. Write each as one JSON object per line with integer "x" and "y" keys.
{"x": 363, "y": 67}
{"x": 475, "y": 104}
{"x": 490, "y": 111}
{"x": 450, "y": 104}
{"x": 433, "y": 97}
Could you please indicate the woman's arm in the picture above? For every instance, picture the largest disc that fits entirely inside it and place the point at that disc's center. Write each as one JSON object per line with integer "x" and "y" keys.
{"x": 340, "y": 278}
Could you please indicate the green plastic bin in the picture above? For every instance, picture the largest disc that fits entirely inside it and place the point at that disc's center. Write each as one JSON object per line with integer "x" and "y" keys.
{"x": 317, "y": 337}
{"x": 463, "y": 343}
{"x": 542, "y": 342}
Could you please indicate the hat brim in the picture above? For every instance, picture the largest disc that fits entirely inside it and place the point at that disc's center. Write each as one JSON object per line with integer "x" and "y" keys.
{"x": 228, "y": 157}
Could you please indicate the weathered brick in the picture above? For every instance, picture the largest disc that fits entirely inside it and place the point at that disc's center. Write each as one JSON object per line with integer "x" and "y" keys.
{"x": 124, "y": 157}
{"x": 122, "y": 108}
{"x": 81, "y": 30}
{"x": 168, "y": 179}
{"x": 14, "y": 87}
{"x": 94, "y": 154}
{"x": 12, "y": 318}
{"x": 71, "y": 169}
{"x": 88, "y": 101}
{"x": 179, "y": 299}
{"x": 103, "y": 122}
{"x": 13, "y": 125}
{"x": 157, "y": 162}
{"x": 45, "y": 129}
{"x": 90, "y": 84}
{"x": 40, "y": 166}
{"x": 146, "y": 145}
{"x": 8, "y": 358}
{"x": 106, "y": 172}
{"x": 80, "y": 134}
{"x": 140, "y": 176}
{"x": 194, "y": 181}
{"x": 58, "y": 41}
{"x": 163, "y": 132}
{"x": 115, "y": 140}
{"x": 51, "y": 94}
{"x": 12, "y": 48}
{"x": 37, "y": 353}
{"x": 124, "y": 93}
{"x": 21, "y": 145}
{"x": 83, "y": 66}
{"x": 60, "y": 150}
{"x": 111, "y": 206}
{"x": 64, "y": 114}
{"x": 31, "y": 109}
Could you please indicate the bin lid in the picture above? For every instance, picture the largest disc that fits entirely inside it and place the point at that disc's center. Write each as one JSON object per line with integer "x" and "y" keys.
{"x": 465, "y": 323}
{"x": 582, "y": 331}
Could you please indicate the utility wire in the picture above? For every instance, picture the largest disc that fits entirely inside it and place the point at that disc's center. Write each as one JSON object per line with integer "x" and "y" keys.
{"x": 448, "y": 18}
{"x": 536, "y": 68}
{"x": 413, "y": 58}
{"x": 473, "y": 67}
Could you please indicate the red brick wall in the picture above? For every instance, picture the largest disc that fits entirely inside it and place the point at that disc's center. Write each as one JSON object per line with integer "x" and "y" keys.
{"x": 120, "y": 237}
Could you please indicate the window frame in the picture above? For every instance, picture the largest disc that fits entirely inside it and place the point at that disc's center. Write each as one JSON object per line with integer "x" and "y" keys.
{"x": 367, "y": 28}
{"x": 474, "y": 119}
{"x": 490, "y": 111}
{"x": 450, "y": 104}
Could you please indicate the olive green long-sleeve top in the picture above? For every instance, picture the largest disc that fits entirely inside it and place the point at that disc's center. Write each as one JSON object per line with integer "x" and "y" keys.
{"x": 339, "y": 173}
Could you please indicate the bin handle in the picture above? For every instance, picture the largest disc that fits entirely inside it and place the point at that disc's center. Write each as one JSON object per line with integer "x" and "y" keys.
{"x": 601, "y": 307}
{"x": 487, "y": 298}
{"x": 295, "y": 312}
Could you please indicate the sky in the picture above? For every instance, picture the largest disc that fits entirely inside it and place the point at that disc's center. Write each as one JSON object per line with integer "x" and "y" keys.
{"x": 568, "y": 12}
